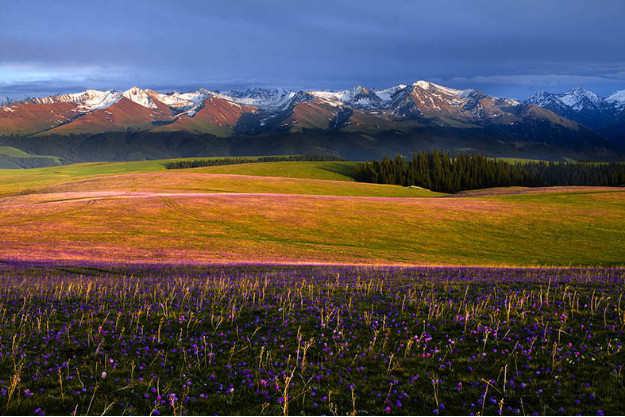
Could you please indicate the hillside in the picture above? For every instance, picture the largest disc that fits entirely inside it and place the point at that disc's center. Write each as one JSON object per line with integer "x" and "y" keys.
{"x": 140, "y": 212}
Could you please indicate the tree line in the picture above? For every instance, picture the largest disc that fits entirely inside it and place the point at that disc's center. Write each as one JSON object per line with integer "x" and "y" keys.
{"x": 440, "y": 171}
{"x": 196, "y": 163}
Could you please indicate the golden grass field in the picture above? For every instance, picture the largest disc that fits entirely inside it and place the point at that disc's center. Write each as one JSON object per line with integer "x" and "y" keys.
{"x": 259, "y": 213}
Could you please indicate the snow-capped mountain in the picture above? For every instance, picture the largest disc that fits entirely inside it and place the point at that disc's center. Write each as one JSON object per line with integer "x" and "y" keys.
{"x": 578, "y": 100}
{"x": 87, "y": 101}
{"x": 421, "y": 102}
{"x": 402, "y": 116}
{"x": 605, "y": 115}
{"x": 581, "y": 99}
{"x": 617, "y": 99}
{"x": 184, "y": 100}
{"x": 358, "y": 97}
{"x": 264, "y": 98}
{"x": 141, "y": 97}
{"x": 420, "y": 98}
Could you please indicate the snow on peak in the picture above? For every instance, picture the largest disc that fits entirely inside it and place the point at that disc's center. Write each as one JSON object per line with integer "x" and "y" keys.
{"x": 328, "y": 95}
{"x": 540, "y": 98}
{"x": 87, "y": 101}
{"x": 617, "y": 99}
{"x": 359, "y": 96}
{"x": 184, "y": 103}
{"x": 261, "y": 93}
{"x": 422, "y": 84}
{"x": 387, "y": 94}
{"x": 430, "y": 86}
{"x": 96, "y": 100}
{"x": 139, "y": 96}
{"x": 510, "y": 101}
{"x": 270, "y": 98}
{"x": 364, "y": 98}
{"x": 578, "y": 98}
{"x": 470, "y": 93}
{"x": 183, "y": 100}
{"x": 334, "y": 98}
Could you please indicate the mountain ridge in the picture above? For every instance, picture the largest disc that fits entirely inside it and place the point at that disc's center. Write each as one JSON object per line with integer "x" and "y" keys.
{"x": 605, "y": 115}
{"x": 402, "y": 118}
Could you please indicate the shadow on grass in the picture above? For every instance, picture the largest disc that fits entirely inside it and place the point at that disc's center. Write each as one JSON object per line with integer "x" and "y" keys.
{"x": 339, "y": 168}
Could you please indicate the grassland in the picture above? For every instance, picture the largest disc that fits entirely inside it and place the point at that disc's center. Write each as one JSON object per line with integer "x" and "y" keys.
{"x": 18, "y": 153}
{"x": 141, "y": 212}
{"x": 256, "y": 340}
{"x": 12, "y": 158}
{"x": 141, "y": 292}
{"x": 19, "y": 180}
{"x": 333, "y": 170}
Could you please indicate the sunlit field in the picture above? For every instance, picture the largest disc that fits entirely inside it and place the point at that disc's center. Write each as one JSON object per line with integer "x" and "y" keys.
{"x": 140, "y": 212}
{"x": 129, "y": 289}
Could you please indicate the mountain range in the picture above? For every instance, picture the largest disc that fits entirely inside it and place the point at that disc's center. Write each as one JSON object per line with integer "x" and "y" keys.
{"x": 360, "y": 123}
{"x": 606, "y": 115}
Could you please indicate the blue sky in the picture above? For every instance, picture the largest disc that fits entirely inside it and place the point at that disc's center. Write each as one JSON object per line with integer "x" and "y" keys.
{"x": 505, "y": 48}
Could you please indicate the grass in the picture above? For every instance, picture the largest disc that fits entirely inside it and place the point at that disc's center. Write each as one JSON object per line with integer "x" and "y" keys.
{"x": 18, "y": 153}
{"x": 582, "y": 229}
{"x": 326, "y": 170}
{"x": 20, "y": 180}
{"x": 307, "y": 178}
{"x": 15, "y": 154}
{"x": 96, "y": 340}
{"x": 118, "y": 310}
{"x": 197, "y": 182}
{"x": 141, "y": 212}
{"x": 17, "y": 180}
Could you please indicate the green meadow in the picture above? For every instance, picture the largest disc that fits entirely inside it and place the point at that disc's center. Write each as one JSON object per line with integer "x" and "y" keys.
{"x": 296, "y": 212}
{"x": 16, "y": 179}
{"x": 18, "y": 153}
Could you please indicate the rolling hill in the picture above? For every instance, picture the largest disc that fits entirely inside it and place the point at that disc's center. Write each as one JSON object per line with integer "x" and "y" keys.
{"x": 258, "y": 213}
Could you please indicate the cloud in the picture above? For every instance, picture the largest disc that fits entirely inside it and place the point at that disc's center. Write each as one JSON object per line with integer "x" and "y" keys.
{"x": 537, "y": 79}
{"x": 520, "y": 86}
{"x": 221, "y": 43}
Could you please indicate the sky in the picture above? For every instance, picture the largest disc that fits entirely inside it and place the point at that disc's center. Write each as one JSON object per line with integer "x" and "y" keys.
{"x": 504, "y": 48}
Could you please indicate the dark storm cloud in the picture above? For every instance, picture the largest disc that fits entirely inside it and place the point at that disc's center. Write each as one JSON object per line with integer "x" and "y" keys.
{"x": 507, "y": 48}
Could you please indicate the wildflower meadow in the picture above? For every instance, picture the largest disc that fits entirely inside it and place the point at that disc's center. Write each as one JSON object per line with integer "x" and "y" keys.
{"x": 281, "y": 340}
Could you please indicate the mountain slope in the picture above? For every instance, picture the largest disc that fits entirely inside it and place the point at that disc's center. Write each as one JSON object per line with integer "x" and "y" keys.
{"x": 27, "y": 118}
{"x": 604, "y": 115}
{"x": 214, "y": 116}
{"x": 124, "y": 114}
{"x": 617, "y": 99}
{"x": 356, "y": 123}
